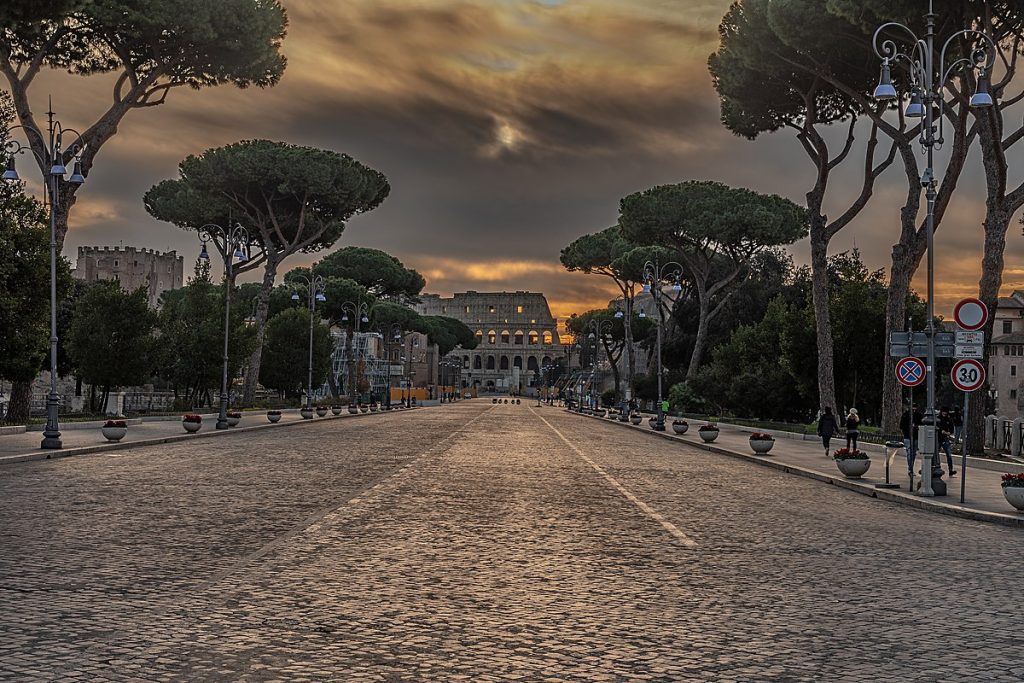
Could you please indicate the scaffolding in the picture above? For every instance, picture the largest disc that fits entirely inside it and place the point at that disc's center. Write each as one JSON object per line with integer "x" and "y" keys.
{"x": 366, "y": 360}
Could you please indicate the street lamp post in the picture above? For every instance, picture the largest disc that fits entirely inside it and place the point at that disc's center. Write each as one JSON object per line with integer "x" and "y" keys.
{"x": 599, "y": 329}
{"x": 927, "y": 101}
{"x": 656, "y": 273}
{"x": 232, "y": 244}
{"x": 390, "y": 334}
{"x": 315, "y": 291}
{"x": 361, "y": 312}
{"x": 55, "y": 153}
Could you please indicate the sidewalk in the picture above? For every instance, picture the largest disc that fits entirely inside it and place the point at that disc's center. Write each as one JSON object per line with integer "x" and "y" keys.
{"x": 24, "y": 447}
{"x": 983, "y": 501}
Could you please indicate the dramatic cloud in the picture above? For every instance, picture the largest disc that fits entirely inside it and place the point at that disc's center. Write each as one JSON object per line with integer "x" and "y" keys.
{"x": 507, "y": 129}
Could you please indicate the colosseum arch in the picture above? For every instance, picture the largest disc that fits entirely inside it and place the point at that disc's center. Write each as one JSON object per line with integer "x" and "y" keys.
{"x": 519, "y": 362}
{"x": 504, "y": 362}
{"x": 506, "y": 337}
{"x": 479, "y": 337}
{"x": 492, "y": 337}
{"x": 477, "y": 362}
{"x": 534, "y": 338}
{"x": 531, "y": 364}
{"x": 490, "y": 362}
{"x": 519, "y": 337}
{"x": 548, "y": 337}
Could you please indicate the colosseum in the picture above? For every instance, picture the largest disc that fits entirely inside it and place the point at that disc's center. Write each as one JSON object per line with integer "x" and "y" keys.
{"x": 516, "y": 337}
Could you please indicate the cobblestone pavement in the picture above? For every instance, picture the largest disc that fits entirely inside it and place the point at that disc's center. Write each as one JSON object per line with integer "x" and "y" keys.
{"x": 484, "y": 543}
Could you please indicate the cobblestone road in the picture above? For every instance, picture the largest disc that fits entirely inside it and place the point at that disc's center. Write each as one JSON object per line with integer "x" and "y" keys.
{"x": 484, "y": 543}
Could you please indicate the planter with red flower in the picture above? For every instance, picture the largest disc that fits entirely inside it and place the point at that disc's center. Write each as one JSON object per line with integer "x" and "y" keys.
{"x": 761, "y": 442}
{"x": 274, "y": 415}
{"x": 234, "y": 417}
{"x": 336, "y": 409}
{"x": 1013, "y": 490}
{"x": 708, "y": 432}
{"x": 680, "y": 426}
{"x": 114, "y": 430}
{"x": 635, "y": 418}
{"x": 192, "y": 423}
{"x": 851, "y": 462}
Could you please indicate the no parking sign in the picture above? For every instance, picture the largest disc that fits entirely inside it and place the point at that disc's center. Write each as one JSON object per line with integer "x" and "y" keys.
{"x": 910, "y": 371}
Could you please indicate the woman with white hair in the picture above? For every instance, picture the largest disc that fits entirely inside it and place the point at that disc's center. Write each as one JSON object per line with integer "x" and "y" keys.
{"x": 852, "y": 423}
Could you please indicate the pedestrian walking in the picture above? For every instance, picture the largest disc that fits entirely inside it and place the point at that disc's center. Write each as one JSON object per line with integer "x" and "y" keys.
{"x": 852, "y": 429}
{"x": 827, "y": 428}
{"x": 958, "y": 423}
{"x": 946, "y": 429}
{"x": 909, "y": 422}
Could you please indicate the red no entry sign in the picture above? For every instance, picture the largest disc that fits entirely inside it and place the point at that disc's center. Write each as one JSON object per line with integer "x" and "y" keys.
{"x": 910, "y": 371}
{"x": 968, "y": 374}
{"x": 971, "y": 314}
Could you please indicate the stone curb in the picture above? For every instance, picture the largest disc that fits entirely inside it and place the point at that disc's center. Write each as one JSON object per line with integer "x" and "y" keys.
{"x": 909, "y": 500}
{"x": 123, "y": 445}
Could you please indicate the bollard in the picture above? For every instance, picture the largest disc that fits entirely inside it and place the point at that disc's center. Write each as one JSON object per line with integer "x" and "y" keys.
{"x": 1015, "y": 437}
{"x": 990, "y": 432}
{"x": 891, "y": 449}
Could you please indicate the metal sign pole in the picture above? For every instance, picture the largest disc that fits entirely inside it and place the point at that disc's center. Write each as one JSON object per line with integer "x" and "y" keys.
{"x": 963, "y": 449}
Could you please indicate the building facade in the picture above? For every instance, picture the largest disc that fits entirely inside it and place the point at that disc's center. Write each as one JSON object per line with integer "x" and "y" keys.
{"x": 157, "y": 271}
{"x": 1006, "y": 356}
{"x": 516, "y": 337}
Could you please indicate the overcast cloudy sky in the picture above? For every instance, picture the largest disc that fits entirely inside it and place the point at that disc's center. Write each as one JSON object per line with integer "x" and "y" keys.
{"x": 506, "y": 127}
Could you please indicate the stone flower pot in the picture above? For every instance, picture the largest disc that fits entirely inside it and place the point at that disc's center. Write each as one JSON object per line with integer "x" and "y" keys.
{"x": 364, "y": 409}
{"x": 274, "y": 416}
{"x": 373, "y": 407}
{"x": 321, "y": 411}
{"x": 853, "y": 468}
{"x": 335, "y": 410}
{"x": 233, "y": 420}
{"x": 762, "y": 446}
{"x": 708, "y": 435}
{"x": 635, "y": 418}
{"x": 680, "y": 426}
{"x": 353, "y": 409}
{"x": 192, "y": 427}
{"x": 307, "y": 413}
{"x": 114, "y": 433}
{"x": 1014, "y": 496}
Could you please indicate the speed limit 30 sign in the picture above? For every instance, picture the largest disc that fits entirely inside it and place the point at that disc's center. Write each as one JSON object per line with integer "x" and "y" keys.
{"x": 968, "y": 374}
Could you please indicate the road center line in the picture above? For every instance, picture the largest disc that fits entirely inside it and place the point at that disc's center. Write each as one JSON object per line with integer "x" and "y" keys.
{"x": 647, "y": 509}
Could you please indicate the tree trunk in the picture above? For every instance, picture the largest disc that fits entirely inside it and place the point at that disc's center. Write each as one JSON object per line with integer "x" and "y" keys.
{"x": 21, "y": 402}
{"x": 822, "y": 315}
{"x": 702, "y": 333}
{"x": 92, "y": 399}
{"x": 252, "y": 375}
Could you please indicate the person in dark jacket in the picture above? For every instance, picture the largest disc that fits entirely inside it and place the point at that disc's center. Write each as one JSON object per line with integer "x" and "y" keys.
{"x": 827, "y": 428}
{"x": 946, "y": 429}
{"x": 909, "y": 423}
{"x": 852, "y": 429}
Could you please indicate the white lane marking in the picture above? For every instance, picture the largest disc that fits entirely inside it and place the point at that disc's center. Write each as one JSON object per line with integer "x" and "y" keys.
{"x": 647, "y": 509}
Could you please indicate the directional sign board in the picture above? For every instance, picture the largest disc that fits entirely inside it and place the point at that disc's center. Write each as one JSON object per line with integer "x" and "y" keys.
{"x": 968, "y": 375}
{"x": 941, "y": 338}
{"x": 971, "y": 314}
{"x": 910, "y": 372}
{"x": 921, "y": 350}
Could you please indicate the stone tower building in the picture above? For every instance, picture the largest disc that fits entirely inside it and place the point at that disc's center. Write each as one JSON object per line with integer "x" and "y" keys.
{"x": 133, "y": 268}
{"x": 516, "y": 337}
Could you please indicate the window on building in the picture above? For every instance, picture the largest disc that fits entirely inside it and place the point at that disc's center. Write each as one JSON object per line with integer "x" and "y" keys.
{"x": 1007, "y": 324}
{"x": 519, "y": 308}
{"x": 467, "y": 309}
{"x": 1013, "y": 394}
{"x": 1013, "y": 371}
{"x": 519, "y": 337}
{"x": 490, "y": 362}
{"x": 534, "y": 338}
{"x": 477, "y": 363}
{"x": 136, "y": 264}
{"x": 492, "y": 337}
{"x": 115, "y": 264}
{"x": 547, "y": 338}
{"x": 479, "y": 336}
{"x": 504, "y": 362}
{"x": 490, "y": 309}
{"x": 444, "y": 309}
